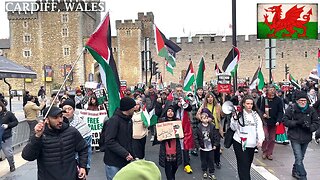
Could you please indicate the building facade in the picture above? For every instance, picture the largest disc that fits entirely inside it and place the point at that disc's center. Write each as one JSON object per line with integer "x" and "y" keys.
{"x": 57, "y": 39}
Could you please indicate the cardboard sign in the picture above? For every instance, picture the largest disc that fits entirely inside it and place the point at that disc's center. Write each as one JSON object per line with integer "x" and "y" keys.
{"x": 95, "y": 121}
{"x": 224, "y": 88}
{"x": 169, "y": 130}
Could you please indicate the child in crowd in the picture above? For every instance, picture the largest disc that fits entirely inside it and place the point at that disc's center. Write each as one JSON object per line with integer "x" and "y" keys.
{"x": 207, "y": 139}
{"x": 170, "y": 155}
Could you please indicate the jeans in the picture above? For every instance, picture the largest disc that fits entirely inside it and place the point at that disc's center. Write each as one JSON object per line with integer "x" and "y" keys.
{"x": 299, "y": 150}
{"x": 111, "y": 171}
{"x": 89, "y": 140}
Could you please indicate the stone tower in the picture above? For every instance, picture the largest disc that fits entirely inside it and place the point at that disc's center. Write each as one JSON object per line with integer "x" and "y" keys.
{"x": 52, "y": 39}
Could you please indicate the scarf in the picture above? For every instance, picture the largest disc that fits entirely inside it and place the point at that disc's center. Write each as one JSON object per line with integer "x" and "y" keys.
{"x": 171, "y": 149}
{"x": 303, "y": 109}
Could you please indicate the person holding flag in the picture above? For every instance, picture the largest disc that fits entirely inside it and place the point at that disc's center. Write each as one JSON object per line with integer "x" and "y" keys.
{"x": 182, "y": 109}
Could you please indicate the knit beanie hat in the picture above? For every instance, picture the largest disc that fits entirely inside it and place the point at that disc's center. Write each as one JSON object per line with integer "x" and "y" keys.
{"x": 127, "y": 103}
{"x": 69, "y": 102}
{"x": 139, "y": 169}
{"x": 207, "y": 111}
{"x": 301, "y": 94}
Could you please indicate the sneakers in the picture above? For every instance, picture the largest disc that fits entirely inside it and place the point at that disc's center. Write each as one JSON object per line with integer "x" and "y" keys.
{"x": 212, "y": 176}
{"x": 194, "y": 153}
{"x": 188, "y": 169}
{"x": 218, "y": 165}
{"x": 205, "y": 175}
{"x": 317, "y": 141}
{"x": 152, "y": 138}
{"x": 256, "y": 150}
{"x": 295, "y": 174}
{"x": 12, "y": 168}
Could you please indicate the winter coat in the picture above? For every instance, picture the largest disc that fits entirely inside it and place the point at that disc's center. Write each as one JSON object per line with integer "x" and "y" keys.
{"x": 213, "y": 135}
{"x": 275, "y": 112}
{"x": 162, "y": 152}
{"x": 8, "y": 118}
{"x": 118, "y": 140}
{"x": 301, "y": 124}
{"x": 55, "y": 152}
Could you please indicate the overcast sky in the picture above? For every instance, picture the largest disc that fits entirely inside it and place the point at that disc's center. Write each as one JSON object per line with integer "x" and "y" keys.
{"x": 176, "y": 18}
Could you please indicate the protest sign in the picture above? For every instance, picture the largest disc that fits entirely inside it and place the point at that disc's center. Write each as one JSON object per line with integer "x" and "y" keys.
{"x": 95, "y": 121}
{"x": 169, "y": 130}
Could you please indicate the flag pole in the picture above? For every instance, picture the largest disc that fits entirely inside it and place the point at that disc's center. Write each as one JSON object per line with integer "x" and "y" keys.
{"x": 64, "y": 82}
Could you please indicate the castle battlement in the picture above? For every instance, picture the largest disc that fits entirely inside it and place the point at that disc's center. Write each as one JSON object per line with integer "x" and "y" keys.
{"x": 149, "y": 17}
{"x": 22, "y": 16}
{"x": 128, "y": 24}
{"x": 218, "y": 39}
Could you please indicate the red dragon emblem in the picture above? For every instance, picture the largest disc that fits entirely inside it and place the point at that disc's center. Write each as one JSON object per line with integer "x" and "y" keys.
{"x": 289, "y": 22}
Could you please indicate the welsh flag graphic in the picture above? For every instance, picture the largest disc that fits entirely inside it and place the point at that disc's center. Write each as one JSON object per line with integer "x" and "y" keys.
{"x": 257, "y": 80}
{"x": 230, "y": 64}
{"x": 99, "y": 46}
{"x": 278, "y": 21}
{"x": 165, "y": 47}
{"x": 200, "y": 74}
{"x": 148, "y": 118}
{"x": 294, "y": 82}
{"x": 189, "y": 78}
{"x": 169, "y": 68}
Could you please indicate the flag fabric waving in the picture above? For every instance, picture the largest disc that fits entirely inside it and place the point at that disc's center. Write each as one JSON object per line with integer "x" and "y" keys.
{"x": 189, "y": 78}
{"x": 169, "y": 68}
{"x": 217, "y": 69}
{"x": 230, "y": 64}
{"x": 165, "y": 47}
{"x": 148, "y": 118}
{"x": 200, "y": 74}
{"x": 294, "y": 82}
{"x": 99, "y": 46}
{"x": 257, "y": 80}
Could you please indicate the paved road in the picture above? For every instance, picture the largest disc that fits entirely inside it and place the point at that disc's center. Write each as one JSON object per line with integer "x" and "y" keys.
{"x": 280, "y": 166}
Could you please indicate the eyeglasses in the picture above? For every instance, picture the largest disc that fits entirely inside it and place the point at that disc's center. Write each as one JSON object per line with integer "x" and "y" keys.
{"x": 67, "y": 108}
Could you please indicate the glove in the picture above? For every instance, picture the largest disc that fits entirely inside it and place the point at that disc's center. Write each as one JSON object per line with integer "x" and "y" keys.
{"x": 4, "y": 126}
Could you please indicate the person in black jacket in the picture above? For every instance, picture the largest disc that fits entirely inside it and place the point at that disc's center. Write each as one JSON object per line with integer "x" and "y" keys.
{"x": 271, "y": 108}
{"x": 207, "y": 139}
{"x": 170, "y": 154}
{"x": 301, "y": 120}
{"x": 7, "y": 122}
{"x": 54, "y": 145}
{"x": 118, "y": 138}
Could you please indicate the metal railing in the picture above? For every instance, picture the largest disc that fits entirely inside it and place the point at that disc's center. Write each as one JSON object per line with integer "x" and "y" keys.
{"x": 20, "y": 135}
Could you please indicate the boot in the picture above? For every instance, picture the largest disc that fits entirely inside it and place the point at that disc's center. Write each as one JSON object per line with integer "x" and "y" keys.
{"x": 295, "y": 173}
{"x": 11, "y": 163}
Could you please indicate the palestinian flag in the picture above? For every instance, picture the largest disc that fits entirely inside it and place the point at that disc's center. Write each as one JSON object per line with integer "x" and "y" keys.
{"x": 99, "y": 46}
{"x": 169, "y": 68}
{"x": 230, "y": 64}
{"x": 165, "y": 47}
{"x": 293, "y": 81}
{"x": 148, "y": 118}
{"x": 217, "y": 69}
{"x": 200, "y": 74}
{"x": 189, "y": 78}
{"x": 275, "y": 18}
{"x": 257, "y": 80}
